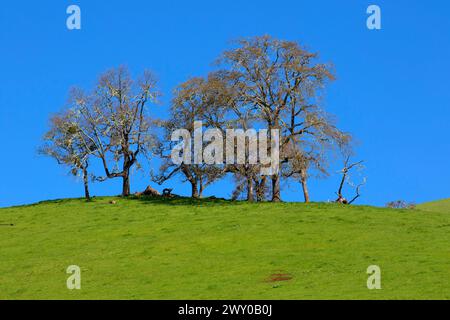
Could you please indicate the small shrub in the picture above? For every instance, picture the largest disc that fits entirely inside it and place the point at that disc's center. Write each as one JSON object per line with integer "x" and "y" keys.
{"x": 400, "y": 204}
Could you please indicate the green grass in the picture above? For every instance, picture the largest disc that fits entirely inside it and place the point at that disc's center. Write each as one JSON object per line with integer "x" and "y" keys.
{"x": 436, "y": 206}
{"x": 180, "y": 249}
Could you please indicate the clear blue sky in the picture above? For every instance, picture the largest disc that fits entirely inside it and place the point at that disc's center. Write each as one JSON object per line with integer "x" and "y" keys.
{"x": 392, "y": 90}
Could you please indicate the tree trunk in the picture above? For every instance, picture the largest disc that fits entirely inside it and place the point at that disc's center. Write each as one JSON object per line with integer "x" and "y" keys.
{"x": 261, "y": 189}
{"x": 201, "y": 188}
{"x": 305, "y": 190}
{"x": 304, "y": 183}
{"x": 194, "y": 193}
{"x": 86, "y": 184}
{"x": 276, "y": 194}
{"x": 250, "y": 189}
{"x": 276, "y": 197}
{"x": 126, "y": 183}
{"x": 126, "y": 175}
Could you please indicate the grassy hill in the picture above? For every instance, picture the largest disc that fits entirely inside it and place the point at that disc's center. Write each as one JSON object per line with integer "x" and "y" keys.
{"x": 179, "y": 249}
{"x": 436, "y": 206}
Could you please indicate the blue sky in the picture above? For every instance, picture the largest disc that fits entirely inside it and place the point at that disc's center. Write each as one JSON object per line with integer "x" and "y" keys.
{"x": 392, "y": 90}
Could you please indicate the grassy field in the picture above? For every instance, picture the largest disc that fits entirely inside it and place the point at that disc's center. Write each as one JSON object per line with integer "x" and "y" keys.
{"x": 179, "y": 249}
{"x": 436, "y": 206}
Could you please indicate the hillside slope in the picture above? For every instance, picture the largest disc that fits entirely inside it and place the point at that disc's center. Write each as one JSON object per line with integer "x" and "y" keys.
{"x": 436, "y": 206}
{"x": 178, "y": 249}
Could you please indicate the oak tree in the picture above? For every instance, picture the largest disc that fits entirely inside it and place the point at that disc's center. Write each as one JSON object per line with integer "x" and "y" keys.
{"x": 117, "y": 121}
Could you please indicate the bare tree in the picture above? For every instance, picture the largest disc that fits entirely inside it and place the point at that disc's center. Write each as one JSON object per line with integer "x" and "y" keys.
{"x": 116, "y": 121}
{"x": 190, "y": 104}
{"x": 236, "y": 113}
{"x": 310, "y": 154}
{"x": 263, "y": 81}
{"x": 348, "y": 167}
{"x": 277, "y": 78}
{"x": 67, "y": 144}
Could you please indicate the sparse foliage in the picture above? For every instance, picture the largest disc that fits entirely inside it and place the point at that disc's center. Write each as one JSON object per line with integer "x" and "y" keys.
{"x": 261, "y": 82}
{"x": 190, "y": 104}
{"x": 117, "y": 123}
{"x": 281, "y": 82}
{"x": 348, "y": 167}
{"x": 68, "y": 145}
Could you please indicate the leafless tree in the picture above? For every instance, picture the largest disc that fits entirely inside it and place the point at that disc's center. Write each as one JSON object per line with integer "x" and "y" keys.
{"x": 116, "y": 121}
{"x": 310, "y": 154}
{"x": 68, "y": 145}
{"x": 279, "y": 81}
{"x": 225, "y": 99}
{"x": 190, "y": 104}
{"x": 348, "y": 167}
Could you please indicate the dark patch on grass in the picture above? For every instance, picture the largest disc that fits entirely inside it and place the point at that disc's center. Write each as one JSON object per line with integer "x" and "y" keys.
{"x": 279, "y": 276}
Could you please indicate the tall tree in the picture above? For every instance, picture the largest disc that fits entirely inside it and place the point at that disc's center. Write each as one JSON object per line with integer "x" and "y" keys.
{"x": 117, "y": 123}
{"x": 277, "y": 78}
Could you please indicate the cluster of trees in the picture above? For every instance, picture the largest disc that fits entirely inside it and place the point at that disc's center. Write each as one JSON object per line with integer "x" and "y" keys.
{"x": 261, "y": 82}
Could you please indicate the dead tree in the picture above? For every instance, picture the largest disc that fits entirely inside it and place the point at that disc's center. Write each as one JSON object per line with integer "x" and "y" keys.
{"x": 346, "y": 179}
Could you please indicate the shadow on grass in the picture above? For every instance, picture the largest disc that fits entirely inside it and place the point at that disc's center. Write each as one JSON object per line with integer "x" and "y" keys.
{"x": 177, "y": 200}
{"x": 160, "y": 200}
{"x": 183, "y": 201}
